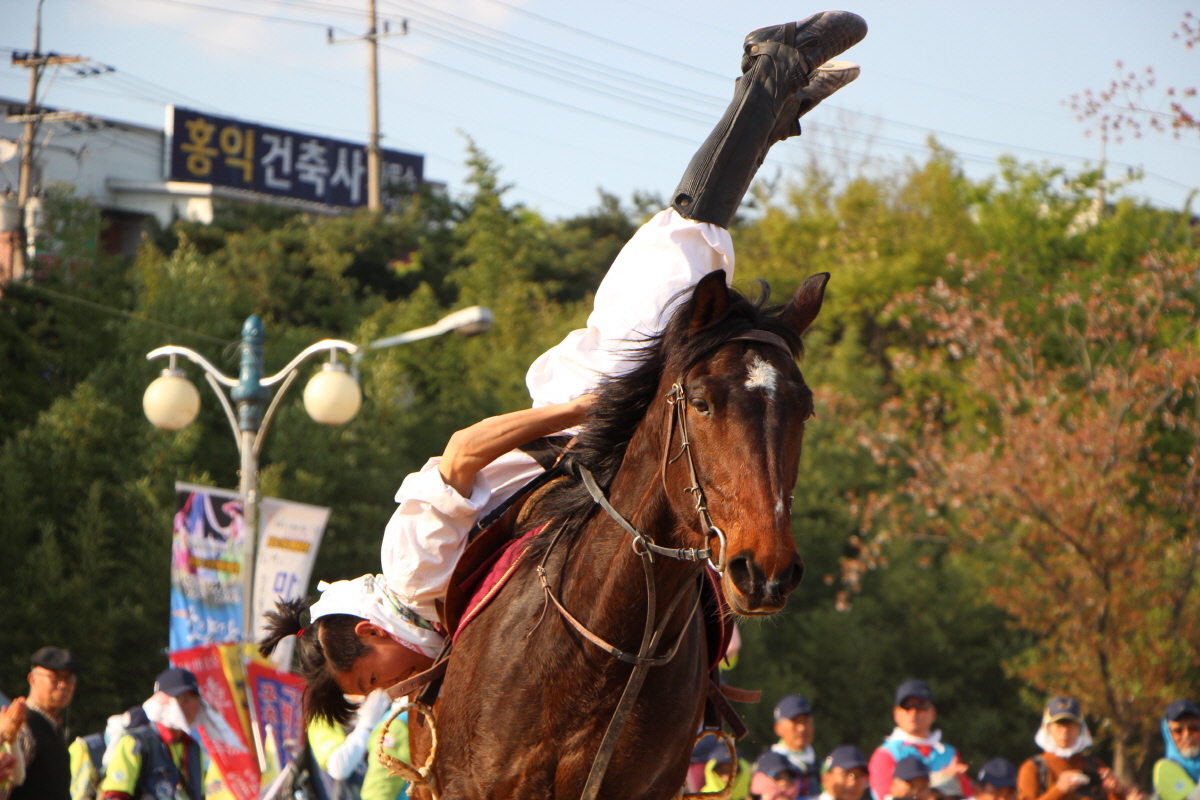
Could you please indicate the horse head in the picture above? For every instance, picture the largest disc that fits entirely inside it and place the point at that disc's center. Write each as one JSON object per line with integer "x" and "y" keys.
{"x": 737, "y": 405}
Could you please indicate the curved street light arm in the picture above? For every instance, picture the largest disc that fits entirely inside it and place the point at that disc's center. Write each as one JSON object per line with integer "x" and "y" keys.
{"x": 232, "y": 417}
{"x": 305, "y": 354}
{"x": 415, "y": 335}
{"x": 193, "y": 356}
{"x": 266, "y": 421}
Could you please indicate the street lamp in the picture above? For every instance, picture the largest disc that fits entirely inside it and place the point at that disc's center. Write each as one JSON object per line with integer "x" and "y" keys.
{"x": 172, "y": 402}
{"x": 332, "y": 397}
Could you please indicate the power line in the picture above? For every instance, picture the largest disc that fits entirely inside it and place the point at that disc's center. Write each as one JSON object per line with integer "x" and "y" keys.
{"x": 120, "y": 312}
{"x": 540, "y": 98}
{"x": 612, "y": 42}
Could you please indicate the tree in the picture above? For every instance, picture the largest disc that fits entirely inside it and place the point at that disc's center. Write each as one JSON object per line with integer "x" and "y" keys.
{"x": 1128, "y": 103}
{"x": 1057, "y": 451}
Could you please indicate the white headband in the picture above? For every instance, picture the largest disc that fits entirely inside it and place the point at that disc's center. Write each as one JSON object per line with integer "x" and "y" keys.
{"x": 367, "y": 597}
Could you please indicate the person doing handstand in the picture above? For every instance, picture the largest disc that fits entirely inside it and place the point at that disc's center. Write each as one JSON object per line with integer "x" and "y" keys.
{"x": 377, "y": 630}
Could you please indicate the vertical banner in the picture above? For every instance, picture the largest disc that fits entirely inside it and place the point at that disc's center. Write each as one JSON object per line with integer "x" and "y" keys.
{"x": 223, "y": 737}
{"x": 206, "y": 567}
{"x": 207, "y": 554}
{"x": 289, "y": 535}
{"x": 278, "y": 699}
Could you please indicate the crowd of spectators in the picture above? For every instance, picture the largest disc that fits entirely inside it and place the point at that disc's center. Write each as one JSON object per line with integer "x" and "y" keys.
{"x": 914, "y": 763}
{"x": 151, "y": 750}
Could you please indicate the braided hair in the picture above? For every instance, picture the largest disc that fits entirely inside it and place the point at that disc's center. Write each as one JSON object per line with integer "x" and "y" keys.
{"x": 323, "y": 647}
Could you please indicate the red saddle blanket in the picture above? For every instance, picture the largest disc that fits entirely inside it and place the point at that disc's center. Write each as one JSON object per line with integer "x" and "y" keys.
{"x": 491, "y": 576}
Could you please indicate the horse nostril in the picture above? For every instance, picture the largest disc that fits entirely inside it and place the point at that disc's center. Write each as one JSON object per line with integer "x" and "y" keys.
{"x": 740, "y": 573}
{"x": 796, "y": 574}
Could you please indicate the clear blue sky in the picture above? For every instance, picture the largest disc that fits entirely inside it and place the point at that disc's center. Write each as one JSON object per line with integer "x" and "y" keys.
{"x": 569, "y": 96}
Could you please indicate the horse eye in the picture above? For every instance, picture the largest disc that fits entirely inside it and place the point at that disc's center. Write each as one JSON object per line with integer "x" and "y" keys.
{"x": 700, "y": 405}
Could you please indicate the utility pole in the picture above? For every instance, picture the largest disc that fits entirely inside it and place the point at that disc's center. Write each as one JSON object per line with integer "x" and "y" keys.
{"x": 35, "y": 62}
{"x": 374, "y": 159}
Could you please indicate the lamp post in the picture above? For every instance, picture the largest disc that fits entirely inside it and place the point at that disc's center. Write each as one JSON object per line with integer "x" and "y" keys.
{"x": 332, "y": 397}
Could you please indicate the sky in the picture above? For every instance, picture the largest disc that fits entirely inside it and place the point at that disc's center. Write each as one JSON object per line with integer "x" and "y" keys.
{"x": 570, "y": 97}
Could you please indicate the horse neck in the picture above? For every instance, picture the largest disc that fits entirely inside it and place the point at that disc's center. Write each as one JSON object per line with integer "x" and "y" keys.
{"x": 637, "y": 492}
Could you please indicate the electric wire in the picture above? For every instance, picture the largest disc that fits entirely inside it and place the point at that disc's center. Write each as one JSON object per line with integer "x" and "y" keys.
{"x": 120, "y": 312}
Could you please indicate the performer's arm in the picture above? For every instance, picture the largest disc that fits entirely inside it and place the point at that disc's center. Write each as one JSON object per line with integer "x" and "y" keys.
{"x": 473, "y": 448}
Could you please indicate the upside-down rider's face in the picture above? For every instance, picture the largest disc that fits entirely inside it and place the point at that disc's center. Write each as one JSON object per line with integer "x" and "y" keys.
{"x": 387, "y": 663}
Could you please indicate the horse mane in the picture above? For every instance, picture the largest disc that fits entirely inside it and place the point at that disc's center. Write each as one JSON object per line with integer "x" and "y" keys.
{"x": 623, "y": 400}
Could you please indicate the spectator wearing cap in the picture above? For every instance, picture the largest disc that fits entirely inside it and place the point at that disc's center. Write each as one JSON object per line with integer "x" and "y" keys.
{"x": 997, "y": 781}
{"x": 1062, "y": 771}
{"x": 911, "y": 780}
{"x": 774, "y": 778}
{"x": 794, "y": 727}
{"x": 914, "y": 736}
{"x": 719, "y": 772}
{"x": 160, "y": 758}
{"x": 844, "y": 774}
{"x": 1177, "y": 774}
{"x": 41, "y": 744}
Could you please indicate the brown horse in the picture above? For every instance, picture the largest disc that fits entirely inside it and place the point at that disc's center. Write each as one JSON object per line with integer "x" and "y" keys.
{"x": 527, "y": 698}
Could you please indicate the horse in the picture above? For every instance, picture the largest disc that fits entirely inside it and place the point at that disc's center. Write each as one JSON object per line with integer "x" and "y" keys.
{"x": 698, "y": 446}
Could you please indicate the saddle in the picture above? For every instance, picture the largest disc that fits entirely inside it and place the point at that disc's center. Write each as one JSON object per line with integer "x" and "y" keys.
{"x": 496, "y": 546}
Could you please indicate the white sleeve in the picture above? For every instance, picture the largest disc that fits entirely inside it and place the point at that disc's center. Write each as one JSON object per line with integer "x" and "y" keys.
{"x": 667, "y": 255}
{"x": 428, "y": 531}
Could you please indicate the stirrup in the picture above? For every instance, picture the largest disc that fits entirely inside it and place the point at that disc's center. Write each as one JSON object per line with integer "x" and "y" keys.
{"x": 720, "y": 794}
{"x": 418, "y": 777}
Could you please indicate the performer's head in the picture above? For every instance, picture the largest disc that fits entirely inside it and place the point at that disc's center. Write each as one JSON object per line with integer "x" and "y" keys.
{"x": 339, "y": 654}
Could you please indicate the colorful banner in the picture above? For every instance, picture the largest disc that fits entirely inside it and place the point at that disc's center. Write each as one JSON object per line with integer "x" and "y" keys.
{"x": 206, "y": 567}
{"x": 289, "y": 535}
{"x": 278, "y": 709}
{"x": 206, "y": 564}
{"x": 205, "y": 148}
{"x": 224, "y": 739}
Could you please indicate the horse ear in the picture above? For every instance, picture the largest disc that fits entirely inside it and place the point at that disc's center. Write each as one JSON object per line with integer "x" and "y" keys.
{"x": 805, "y": 306}
{"x": 709, "y": 300}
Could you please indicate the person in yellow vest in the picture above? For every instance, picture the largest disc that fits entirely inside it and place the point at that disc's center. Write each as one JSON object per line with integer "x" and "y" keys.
{"x": 90, "y": 754}
{"x": 1177, "y": 774}
{"x": 346, "y": 754}
{"x": 160, "y": 759}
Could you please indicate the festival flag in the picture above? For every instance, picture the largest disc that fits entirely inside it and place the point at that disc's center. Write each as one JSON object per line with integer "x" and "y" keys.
{"x": 289, "y": 535}
{"x": 208, "y": 555}
{"x": 278, "y": 699}
{"x": 223, "y": 736}
{"x": 206, "y": 567}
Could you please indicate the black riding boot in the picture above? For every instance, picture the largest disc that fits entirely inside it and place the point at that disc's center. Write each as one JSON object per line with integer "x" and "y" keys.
{"x": 777, "y": 63}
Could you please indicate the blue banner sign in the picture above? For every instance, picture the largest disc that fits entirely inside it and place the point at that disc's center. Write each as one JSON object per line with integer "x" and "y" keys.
{"x": 205, "y": 148}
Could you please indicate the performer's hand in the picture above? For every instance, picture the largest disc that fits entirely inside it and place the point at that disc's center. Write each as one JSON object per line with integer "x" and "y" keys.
{"x": 12, "y": 717}
{"x": 473, "y": 448}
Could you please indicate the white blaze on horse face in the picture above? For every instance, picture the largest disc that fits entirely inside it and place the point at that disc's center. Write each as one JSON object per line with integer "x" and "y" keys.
{"x": 762, "y": 376}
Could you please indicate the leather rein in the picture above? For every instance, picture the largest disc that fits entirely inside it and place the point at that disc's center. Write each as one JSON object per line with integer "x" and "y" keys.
{"x": 646, "y": 549}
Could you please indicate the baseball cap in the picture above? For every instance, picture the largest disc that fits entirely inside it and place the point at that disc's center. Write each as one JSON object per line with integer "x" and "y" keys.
{"x": 913, "y": 688}
{"x": 1182, "y": 708}
{"x": 55, "y": 658}
{"x": 772, "y": 763}
{"x": 846, "y": 756}
{"x": 721, "y": 755}
{"x": 791, "y": 706}
{"x": 175, "y": 682}
{"x": 910, "y": 768}
{"x": 1063, "y": 708}
{"x": 999, "y": 773}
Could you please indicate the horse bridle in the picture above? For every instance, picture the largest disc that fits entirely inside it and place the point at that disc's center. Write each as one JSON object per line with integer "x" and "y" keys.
{"x": 677, "y": 418}
{"x": 646, "y": 549}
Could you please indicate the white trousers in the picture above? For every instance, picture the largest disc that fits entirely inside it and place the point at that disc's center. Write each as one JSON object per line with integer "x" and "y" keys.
{"x": 427, "y": 533}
